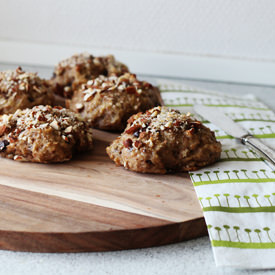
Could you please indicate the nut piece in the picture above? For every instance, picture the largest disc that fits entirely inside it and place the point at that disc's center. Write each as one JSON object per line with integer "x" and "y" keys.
{"x": 88, "y": 96}
{"x": 19, "y": 158}
{"x": 54, "y": 125}
{"x": 2, "y": 129}
{"x": 68, "y": 129}
{"x": 128, "y": 143}
{"x": 79, "y": 106}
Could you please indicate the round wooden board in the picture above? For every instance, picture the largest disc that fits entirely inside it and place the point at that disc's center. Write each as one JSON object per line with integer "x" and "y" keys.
{"x": 89, "y": 204}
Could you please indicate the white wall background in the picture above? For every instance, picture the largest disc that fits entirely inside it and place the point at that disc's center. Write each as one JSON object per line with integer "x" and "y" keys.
{"x": 228, "y": 29}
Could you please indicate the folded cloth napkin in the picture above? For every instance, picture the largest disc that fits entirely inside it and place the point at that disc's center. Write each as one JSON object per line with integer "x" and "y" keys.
{"x": 237, "y": 194}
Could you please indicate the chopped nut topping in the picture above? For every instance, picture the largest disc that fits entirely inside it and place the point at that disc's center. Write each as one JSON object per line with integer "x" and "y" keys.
{"x": 54, "y": 125}
{"x": 36, "y": 89}
{"x": 131, "y": 90}
{"x": 12, "y": 82}
{"x": 42, "y": 117}
{"x": 133, "y": 129}
{"x": 169, "y": 124}
{"x": 19, "y": 158}
{"x": 65, "y": 138}
{"x": 79, "y": 106}
{"x": 126, "y": 83}
{"x": 159, "y": 119}
{"x": 68, "y": 129}
{"x": 86, "y": 65}
{"x": 128, "y": 143}
{"x": 88, "y": 97}
{"x": 137, "y": 144}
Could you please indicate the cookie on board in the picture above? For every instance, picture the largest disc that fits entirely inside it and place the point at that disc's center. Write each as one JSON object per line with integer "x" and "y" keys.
{"x": 162, "y": 141}
{"x": 107, "y": 102}
{"x": 43, "y": 134}
{"x": 20, "y": 90}
{"x": 80, "y": 68}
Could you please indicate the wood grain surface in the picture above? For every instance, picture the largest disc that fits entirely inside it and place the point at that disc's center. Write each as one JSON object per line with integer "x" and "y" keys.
{"x": 89, "y": 204}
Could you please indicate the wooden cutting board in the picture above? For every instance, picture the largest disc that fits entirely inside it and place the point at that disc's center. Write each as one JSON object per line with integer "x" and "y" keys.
{"x": 89, "y": 204}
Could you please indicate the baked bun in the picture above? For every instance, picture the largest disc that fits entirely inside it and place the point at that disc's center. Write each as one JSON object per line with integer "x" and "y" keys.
{"x": 162, "y": 140}
{"x": 43, "y": 134}
{"x": 20, "y": 90}
{"x": 78, "y": 69}
{"x": 107, "y": 102}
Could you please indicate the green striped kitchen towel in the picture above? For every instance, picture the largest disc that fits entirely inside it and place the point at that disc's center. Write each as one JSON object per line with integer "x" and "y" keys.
{"x": 237, "y": 194}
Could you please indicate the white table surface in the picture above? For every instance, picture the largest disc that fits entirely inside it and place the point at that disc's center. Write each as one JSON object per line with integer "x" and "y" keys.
{"x": 190, "y": 257}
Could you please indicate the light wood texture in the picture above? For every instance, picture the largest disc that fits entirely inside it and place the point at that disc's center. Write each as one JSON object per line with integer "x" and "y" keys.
{"x": 89, "y": 204}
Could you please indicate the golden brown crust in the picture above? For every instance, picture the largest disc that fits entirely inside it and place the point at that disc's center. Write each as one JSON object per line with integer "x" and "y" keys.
{"x": 162, "y": 141}
{"x": 107, "y": 102}
{"x": 70, "y": 73}
{"x": 43, "y": 134}
{"x": 20, "y": 90}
